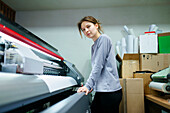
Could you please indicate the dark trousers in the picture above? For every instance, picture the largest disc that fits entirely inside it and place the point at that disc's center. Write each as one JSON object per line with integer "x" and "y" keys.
{"x": 106, "y": 102}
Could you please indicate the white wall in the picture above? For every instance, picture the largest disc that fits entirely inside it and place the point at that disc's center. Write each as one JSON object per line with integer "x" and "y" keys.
{"x": 59, "y": 27}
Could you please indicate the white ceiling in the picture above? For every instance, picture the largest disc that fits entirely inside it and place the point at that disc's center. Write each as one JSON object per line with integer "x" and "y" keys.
{"x": 27, "y": 5}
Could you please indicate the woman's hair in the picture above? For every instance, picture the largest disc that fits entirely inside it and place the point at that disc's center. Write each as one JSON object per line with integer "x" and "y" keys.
{"x": 92, "y": 20}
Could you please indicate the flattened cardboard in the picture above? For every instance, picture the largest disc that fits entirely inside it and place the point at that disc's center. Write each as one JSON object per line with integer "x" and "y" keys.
{"x": 133, "y": 95}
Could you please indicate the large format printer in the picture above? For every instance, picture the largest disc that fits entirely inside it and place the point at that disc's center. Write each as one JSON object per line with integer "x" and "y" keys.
{"x": 34, "y": 77}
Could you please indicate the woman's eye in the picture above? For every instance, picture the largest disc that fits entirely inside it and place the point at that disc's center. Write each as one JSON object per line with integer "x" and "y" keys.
{"x": 83, "y": 29}
{"x": 88, "y": 26}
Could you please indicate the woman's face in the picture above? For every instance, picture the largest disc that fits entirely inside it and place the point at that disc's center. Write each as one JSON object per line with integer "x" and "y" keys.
{"x": 89, "y": 29}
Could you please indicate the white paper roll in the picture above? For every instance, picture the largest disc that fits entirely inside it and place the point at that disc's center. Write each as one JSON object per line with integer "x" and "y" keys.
{"x": 124, "y": 33}
{"x": 126, "y": 29}
{"x": 123, "y": 42}
{"x": 129, "y": 41}
{"x": 159, "y": 86}
{"x": 151, "y": 27}
{"x": 118, "y": 50}
{"x": 131, "y": 32}
{"x": 155, "y": 28}
{"x": 135, "y": 45}
{"x": 118, "y": 46}
{"x": 123, "y": 47}
{"x": 123, "y": 52}
{"x": 118, "y": 43}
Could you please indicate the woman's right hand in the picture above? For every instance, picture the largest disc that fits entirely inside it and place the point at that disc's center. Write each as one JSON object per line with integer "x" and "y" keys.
{"x": 84, "y": 89}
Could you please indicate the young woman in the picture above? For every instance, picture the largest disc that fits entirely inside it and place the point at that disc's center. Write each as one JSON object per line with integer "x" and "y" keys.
{"x": 104, "y": 77}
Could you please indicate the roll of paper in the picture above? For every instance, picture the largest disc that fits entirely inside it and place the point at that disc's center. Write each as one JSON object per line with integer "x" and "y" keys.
{"x": 135, "y": 45}
{"x": 155, "y": 29}
{"x": 129, "y": 41}
{"x": 123, "y": 42}
{"x": 151, "y": 27}
{"x": 123, "y": 51}
{"x": 118, "y": 48}
{"x": 123, "y": 47}
{"x": 118, "y": 43}
{"x": 160, "y": 86}
{"x": 124, "y": 33}
{"x": 131, "y": 32}
{"x": 126, "y": 29}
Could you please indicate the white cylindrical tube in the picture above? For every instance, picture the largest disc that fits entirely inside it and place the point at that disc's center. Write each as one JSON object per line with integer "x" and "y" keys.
{"x": 155, "y": 28}
{"x": 135, "y": 45}
{"x": 118, "y": 50}
{"x": 118, "y": 45}
{"x": 131, "y": 32}
{"x": 123, "y": 47}
{"x": 151, "y": 27}
{"x": 126, "y": 29}
{"x": 123, "y": 42}
{"x": 129, "y": 43}
{"x": 159, "y": 86}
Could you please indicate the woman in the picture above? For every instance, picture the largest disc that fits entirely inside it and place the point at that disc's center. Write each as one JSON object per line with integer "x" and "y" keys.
{"x": 103, "y": 78}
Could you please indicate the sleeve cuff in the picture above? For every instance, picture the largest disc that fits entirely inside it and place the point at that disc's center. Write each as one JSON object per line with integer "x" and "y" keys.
{"x": 88, "y": 87}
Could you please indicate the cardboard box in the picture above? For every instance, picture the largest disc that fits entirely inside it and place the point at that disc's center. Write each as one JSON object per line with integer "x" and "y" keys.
{"x": 163, "y": 42}
{"x": 148, "y": 44}
{"x": 133, "y": 95}
{"x": 146, "y": 80}
{"x": 154, "y": 62}
{"x": 121, "y": 106}
{"x": 130, "y": 64}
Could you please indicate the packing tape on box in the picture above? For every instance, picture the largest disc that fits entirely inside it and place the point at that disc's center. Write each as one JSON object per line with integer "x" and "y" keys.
{"x": 163, "y": 87}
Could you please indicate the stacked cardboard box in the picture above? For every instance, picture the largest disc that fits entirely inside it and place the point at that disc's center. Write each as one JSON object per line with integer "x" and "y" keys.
{"x": 133, "y": 96}
{"x": 146, "y": 80}
{"x": 130, "y": 64}
{"x": 154, "y": 62}
{"x": 146, "y": 76}
{"x": 143, "y": 62}
{"x": 133, "y": 82}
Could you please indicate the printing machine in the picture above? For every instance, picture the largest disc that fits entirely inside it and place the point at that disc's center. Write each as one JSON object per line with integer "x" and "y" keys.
{"x": 34, "y": 77}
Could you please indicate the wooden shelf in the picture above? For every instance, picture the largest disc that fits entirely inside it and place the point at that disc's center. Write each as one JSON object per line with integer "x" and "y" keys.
{"x": 163, "y": 101}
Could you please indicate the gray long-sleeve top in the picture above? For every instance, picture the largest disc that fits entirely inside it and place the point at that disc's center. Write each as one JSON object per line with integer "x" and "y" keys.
{"x": 104, "y": 76}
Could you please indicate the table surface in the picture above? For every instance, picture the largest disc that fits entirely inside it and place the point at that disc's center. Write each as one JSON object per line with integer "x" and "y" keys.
{"x": 160, "y": 100}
